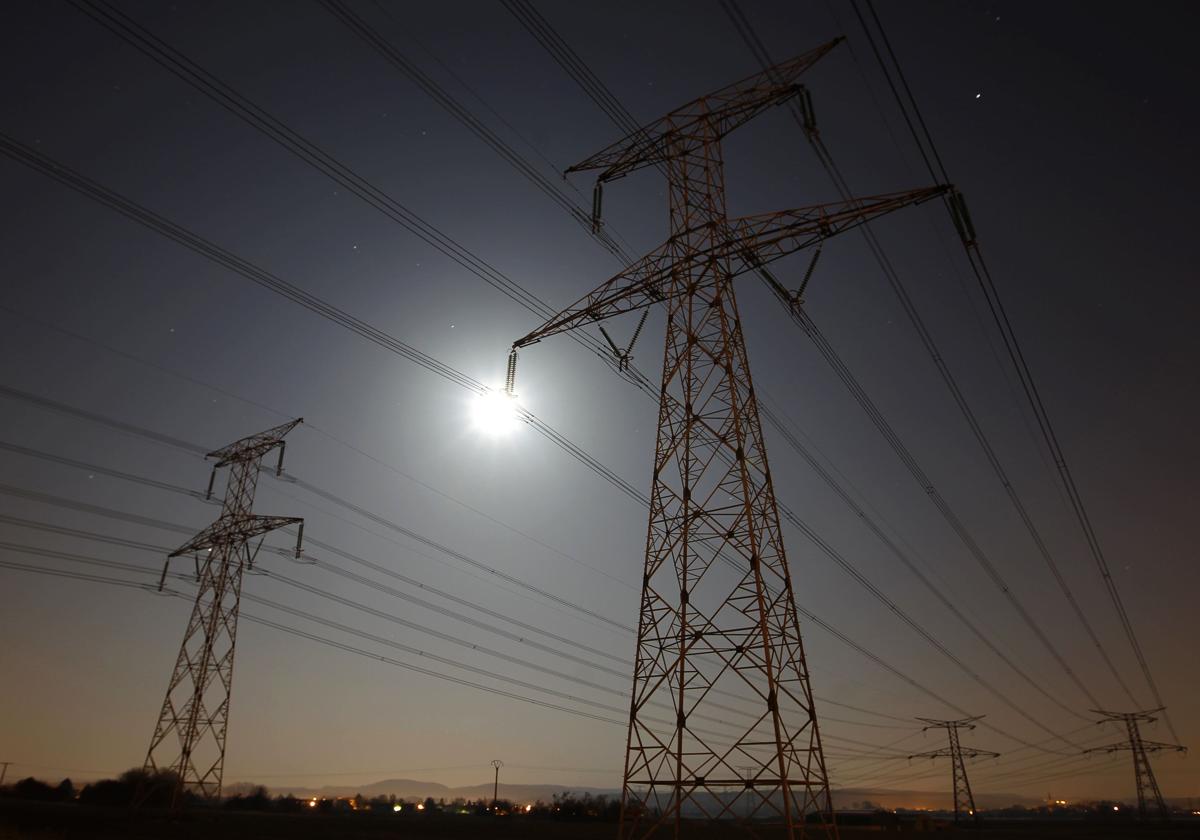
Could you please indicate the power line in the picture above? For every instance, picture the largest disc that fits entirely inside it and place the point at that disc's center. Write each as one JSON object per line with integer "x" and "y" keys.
{"x": 35, "y": 160}
{"x": 96, "y": 469}
{"x": 160, "y": 549}
{"x": 308, "y": 615}
{"x": 56, "y": 406}
{"x": 809, "y": 328}
{"x": 491, "y": 571}
{"x": 150, "y": 587}
{"x": 141, "y": 520}
{"x": 93, "y": 536}
{"x": 156, "y": 523}
{"x": 241, "y": 107}
{"x": 544, "y": 33}
{"x": 190, "y": 447}
{"x": 52, "y": 405}
{"x": 803, "y": 527}
{"x": 1017, "y": 357}
{"x": 310, "y": 153}
{"x": 373, "y": 38}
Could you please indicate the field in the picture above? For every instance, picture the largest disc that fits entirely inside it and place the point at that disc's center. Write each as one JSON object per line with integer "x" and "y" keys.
{"x": 41, "y": 821}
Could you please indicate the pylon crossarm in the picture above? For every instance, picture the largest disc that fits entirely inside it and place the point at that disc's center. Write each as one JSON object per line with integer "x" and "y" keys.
{"x": 752, "y": 241}
{"x": 1155, "y": 746}
{"x": 635, "y": 288}
{"x": 228, "y": 533}
{"x": 253, "y": 446}
{"x": 706, "y": 118}
{"x": 755, "y": 241}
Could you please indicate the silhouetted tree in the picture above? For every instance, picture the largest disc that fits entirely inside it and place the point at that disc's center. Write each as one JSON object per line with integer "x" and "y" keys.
{"x": 31, "y": 788}
{"x": 288, "y": 804}
{"x": 65, "y": 790}
{"x": 152, "y": 789}
{"x": 257, "y": 800}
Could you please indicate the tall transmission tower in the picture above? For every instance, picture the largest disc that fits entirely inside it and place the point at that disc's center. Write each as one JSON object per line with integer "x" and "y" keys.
{"x": 1147, "y": 785}
{"x": 196, "y": 708}
{"x": 709, "y": 628}
{"x": 964, "y": 800}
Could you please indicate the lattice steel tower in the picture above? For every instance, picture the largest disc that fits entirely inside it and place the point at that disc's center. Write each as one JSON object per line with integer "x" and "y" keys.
{"x": 196, "y": 708}
{"x": 964, "y": 800}
{"x": 1147, "y": 785}
{"x": 710, "y": 630}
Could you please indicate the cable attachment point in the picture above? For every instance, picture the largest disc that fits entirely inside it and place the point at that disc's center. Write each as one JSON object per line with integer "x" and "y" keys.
{"x": 624, "y": 357}
{"x": 807, "y": 114}
{"x": 597, "y": 200}
{"x": 796, "y": 299}
{"x": 510, "y": 377}
{"x": 251, "y": 556}
{"x": 961, "y": 217}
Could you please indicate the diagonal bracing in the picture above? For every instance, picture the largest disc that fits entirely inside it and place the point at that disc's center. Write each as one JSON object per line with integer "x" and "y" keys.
{"x": 709, "y": 628}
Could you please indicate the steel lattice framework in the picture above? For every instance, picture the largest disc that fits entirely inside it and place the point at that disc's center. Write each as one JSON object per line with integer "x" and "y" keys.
{"x": 718, "y": 613}
{"x": 1147, "y": 785}
{"x": 964, "y": 800}
{"x": 196, "y": 708}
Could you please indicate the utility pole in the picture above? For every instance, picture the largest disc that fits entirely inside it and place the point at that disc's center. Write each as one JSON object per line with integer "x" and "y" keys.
{"x": 1143, "y": 774}
{"x": 710, "y": 629}
{"x": 964, "y": 800}
{"x": 3, "y": 770}
{"x": 497, "y": 763}
{"x": 196, "y": 708}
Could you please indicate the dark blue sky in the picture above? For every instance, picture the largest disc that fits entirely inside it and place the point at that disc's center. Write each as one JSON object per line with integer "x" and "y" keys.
{"x": 1069, "y": 128}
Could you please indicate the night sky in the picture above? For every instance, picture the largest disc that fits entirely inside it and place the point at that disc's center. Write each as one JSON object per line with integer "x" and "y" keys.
{"x": 1070, "y": 129}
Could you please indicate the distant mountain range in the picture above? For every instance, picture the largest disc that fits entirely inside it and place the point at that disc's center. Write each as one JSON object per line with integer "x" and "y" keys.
{"x": 415, "y": 789}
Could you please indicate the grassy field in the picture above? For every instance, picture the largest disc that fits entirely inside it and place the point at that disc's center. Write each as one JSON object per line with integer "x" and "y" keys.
{"x": 41, "y": 821}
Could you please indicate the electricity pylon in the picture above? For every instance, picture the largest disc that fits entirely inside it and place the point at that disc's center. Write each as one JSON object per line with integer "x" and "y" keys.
{"x": 196, "y": 708}
{"x": 1143, "y": 774}
{"x": 964, "y": 800}
{"x": 497, "y": 763}
{"x": 707, "y": 629}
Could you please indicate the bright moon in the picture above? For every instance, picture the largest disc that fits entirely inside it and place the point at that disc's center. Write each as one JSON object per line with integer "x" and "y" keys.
{"x": 494, "y": 413}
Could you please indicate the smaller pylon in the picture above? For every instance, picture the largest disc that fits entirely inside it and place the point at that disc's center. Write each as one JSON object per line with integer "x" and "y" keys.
{"x": 1147, "y": 785}
{"x": 964, "y": 800}
{"x": 497, "y": 763}
{"x": 189, "y": 739}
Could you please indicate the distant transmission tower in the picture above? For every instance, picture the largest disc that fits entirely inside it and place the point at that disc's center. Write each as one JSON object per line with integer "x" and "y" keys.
{"x": 964, "y": 800}
{"x": 190, "y": 736}
{"x": 709, "y": 629}
{"x": 1147, "y": 785}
